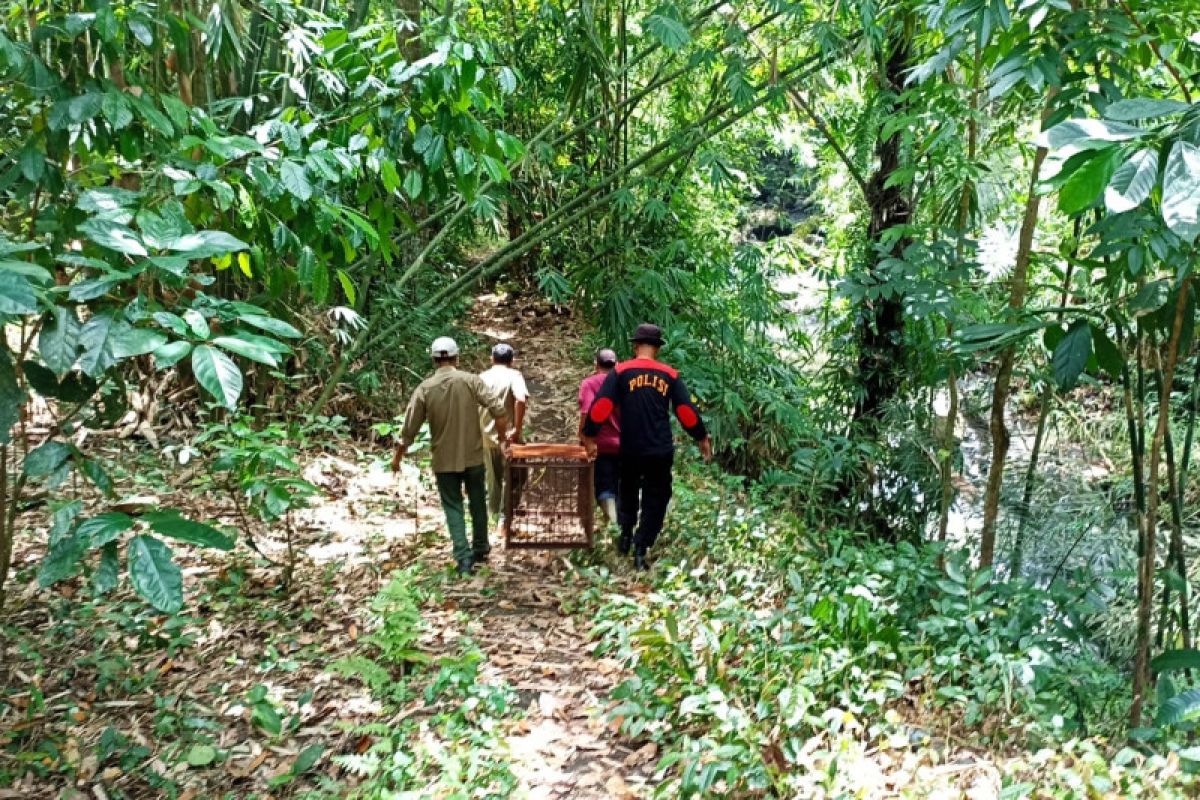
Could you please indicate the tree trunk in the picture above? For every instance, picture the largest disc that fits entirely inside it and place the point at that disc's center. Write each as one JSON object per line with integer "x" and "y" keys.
{"x": 1018, "y": 286}
{"x": 410, "y": 44}
{"x": 1142, "y": 682}
{"x": 880, "y": 324}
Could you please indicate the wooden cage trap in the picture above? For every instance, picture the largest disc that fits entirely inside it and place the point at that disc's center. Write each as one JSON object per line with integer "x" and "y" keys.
{"x": 548, "y": 502}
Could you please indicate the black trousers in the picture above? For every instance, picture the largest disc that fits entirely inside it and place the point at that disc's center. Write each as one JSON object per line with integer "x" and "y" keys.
{"x": 645, "y": 490}
{"x": 606, "y": 472}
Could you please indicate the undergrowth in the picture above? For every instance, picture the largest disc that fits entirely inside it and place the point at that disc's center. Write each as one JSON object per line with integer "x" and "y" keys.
{"x": 769, "y": 660}
{"x": 443, "y": 737}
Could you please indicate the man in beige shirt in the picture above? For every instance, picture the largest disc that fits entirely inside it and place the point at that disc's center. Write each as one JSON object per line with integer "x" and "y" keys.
{"x": 450, "y": 400}
{"x": 508, "y": 384}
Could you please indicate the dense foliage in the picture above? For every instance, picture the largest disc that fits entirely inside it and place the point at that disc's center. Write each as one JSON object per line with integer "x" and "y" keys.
{"x": 925, "y": 263}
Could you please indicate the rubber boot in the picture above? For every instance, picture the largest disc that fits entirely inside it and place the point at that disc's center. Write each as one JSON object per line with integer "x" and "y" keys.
{"x": 609, "y": 504}
{"x": 465, "y": 567}
{"x": 639, "y": 559}
{"x": 625, "y": 542}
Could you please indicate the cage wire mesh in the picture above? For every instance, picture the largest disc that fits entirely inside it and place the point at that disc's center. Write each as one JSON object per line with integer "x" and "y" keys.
{"x": 548, "y": 503}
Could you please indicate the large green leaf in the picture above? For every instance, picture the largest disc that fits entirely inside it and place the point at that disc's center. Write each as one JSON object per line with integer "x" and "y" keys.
{"x": 171, "y": 354}
{"x": 1084, "y": 186}
{"x": 129, "y": 342}
{"x": 1132, "y": 182}
{"x": 1072, "y": 354}
{"x": 100, "y": 530}
{"x": 96, "y": 339}
{"x": 58, "y": 341}
{"x": 12, "y": 396}
{"x": 295, "y": 180}
{"x": 46, "y": 458}
{"x": 1175, "y": 660}
{"x": 186, "y": 530}
{"x": 16, "y": 294}
{"x": 672, "y": 33}
{"x": 250, "y": 350}
{"x": 1180, "y": 708}
{"x": 1181, "y": 191}
{"x": 271, "y": 325}
{"x": 155, "y": 576}
{"x": 108, "y": 572}
{"x": 1143, "y": 108}
{"x": 113, "y": 236}
{"x": 62, "y": 561}
{"x": 205, "y": 244}
{"x": 1086, "y": 134}
{"x": 1108, "y": 355}
{"x": 217, "y": 373}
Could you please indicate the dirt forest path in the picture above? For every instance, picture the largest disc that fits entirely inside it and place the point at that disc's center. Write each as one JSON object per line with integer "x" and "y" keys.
{"x": 564, "y": 746}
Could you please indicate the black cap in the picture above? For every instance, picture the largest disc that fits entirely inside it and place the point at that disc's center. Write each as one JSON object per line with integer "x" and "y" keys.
{"x": 648, "y": 334}
{"x": 503, "y": 352}
{"x": 606, "y": 357}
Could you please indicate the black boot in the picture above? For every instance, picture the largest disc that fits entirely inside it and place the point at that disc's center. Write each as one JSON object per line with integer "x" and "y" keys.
{"x": 466, "y": 566}
{"x": 625, "y": 542}
{"x": 639, "y": 559}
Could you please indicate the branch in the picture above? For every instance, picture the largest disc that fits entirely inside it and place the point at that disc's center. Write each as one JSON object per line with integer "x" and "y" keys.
{"x": 1157, "y": 52}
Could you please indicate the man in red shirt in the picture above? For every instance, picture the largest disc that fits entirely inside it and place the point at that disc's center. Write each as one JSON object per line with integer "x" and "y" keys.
{"x": 645, "y": 390}
{"x": 608, "y": 441}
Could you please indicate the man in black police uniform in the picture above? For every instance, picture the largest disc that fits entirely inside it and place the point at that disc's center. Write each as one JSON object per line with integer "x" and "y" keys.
{"x": 645, "y": 390}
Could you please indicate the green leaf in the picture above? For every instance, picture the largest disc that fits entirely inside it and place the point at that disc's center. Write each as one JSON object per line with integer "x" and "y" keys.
{"x": 62, "y": 561}
{"x": 495, "y": 169}
{"x": 294, "y": 179}
{"x": 391, "y": 178}
{"x": 33, "y": 164}
{"x": 62, "y": 520}
{"x": 201, "y": 755}
{"x": 1176, "y": 660}
{"x": 672, "y": 33}
{"x": 130, "y": 342}
{"x": 205, "y": 244}
{"x": 47, "y": 458}
{"x": 1086, "y": 134}
{"x": 412, "y": 184}
{"x": 108, "y": 572}
{"x": 436, "y": 152}
{"x": 250, "y": 350}
{"x": 171, "y": 354}
{"x": 155, "y": 576}
{"x": 464, "y": 162}
{"x": 347, "y": 286}
{"x": 1150, "y": 298}
{"x": 197, "y": 323}
{"x": 1181, "y": 191}
{"x": 96, "y": 340}
{"x": 1086, "y": 184}
{"x": 96, "y": 474}
{"x": 508, "y": 80}
{"x": 16, "y": 295}
{"x": 320, "y": 283}
{"x": 1143, "y": 108}
{"x": 113, "y": 236}
{"x": 1071, "y": 355}
{"x": 271, "y": 325}
{"x": 267, "y": 717}
{"x": 1132, "y": 182}
{"x": 100, "y": 530}
{"x": 58, "y": 341}
{"x": 217, "y": 373}
{"x": 116, "y": 110}
{"x": 186, "y": 530}
{"x": 12, "y": 396}
{"x": 25, "y": 268}
{"x": 1108, "y": 355}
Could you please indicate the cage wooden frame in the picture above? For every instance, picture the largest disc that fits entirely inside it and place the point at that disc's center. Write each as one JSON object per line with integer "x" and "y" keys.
{"x": 549, "y": 468}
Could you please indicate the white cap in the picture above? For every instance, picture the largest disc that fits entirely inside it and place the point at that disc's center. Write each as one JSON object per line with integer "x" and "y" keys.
{"x": 444, "y": 347}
